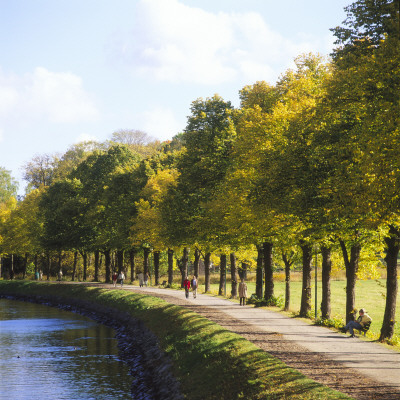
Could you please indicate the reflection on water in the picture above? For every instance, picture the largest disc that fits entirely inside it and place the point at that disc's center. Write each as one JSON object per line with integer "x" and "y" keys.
{"x": 47, "y": 353}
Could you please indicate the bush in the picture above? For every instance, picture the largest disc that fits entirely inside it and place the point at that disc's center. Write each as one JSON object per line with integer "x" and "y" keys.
{"x": 273, "y": 301}
{"x": 334, "y": 322}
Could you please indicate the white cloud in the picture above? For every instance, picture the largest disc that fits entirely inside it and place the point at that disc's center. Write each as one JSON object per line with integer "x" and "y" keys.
{"x": 45, "y": 96}
{"x": 160, "y": 122}
{"x": 176, "y": 43}
{"x": 1, "y": 135}
{"x": 60, "y": 97}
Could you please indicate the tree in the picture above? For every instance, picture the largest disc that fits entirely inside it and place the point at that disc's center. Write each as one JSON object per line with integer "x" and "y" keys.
{"x": 111, "y": 182}
{"x": 201, "y": 166}
{"x": 40, "y": 171}
{"x": 137, "y": 141}
{"x": 260, "y": 94}
{"x": 361, "y": 130}
{"x": 8, "y": 185}
{"x": 64, "y": 208}
{"x": 131, "y": 137}
{"x": 368, "y": 22}
{"x": 286, "y": 178}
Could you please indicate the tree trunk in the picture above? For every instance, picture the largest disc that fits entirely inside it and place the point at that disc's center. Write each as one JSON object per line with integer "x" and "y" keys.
{"x": 185, "y": 260}
{"x": 183, "y": 265}
{"x": 233, "y": 276}
{"x": 268, "y": 270}
{"x": 48, "y": 266}
{"x": 132, "y": 254}
{"x": 207, "y": 265}
{"x": 243, "y": 271}
{"x": 74, "y": 267}
{"x": 120, "y": 260}
{"x": 107, "y": 261}
{"x": 59, "y": 265}
{"x": 84, "y": 258}
{"x": 96, "y": 265}
{"x": 146, "y": 253}
{"x": 305, "y": 307}
{"x": 259, "y": 272}
{"x": 25, "y": 265}
{"x": 326, "y": 283}
{"x": 351, "y": 276}
{"x": 288, "y": 263}
{"x": 392, "y": 244}
{"x": 156, "y": 268}
{"x": 35, "y": 261}
{"x": 12, "y": 267}
{"x": 170, "y": 266}
{"x": 196, "y": 263}
{"x": 222, "y": 275}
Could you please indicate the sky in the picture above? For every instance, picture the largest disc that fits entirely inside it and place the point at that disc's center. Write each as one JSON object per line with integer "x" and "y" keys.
{"x": 75, "y": 70}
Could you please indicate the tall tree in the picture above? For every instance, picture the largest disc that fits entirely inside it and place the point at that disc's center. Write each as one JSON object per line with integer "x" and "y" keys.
{"x": 40, "y": 171}
{"x": 8, "y": 185}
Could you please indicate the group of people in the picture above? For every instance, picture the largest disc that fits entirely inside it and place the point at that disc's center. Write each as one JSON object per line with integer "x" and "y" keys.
{"x": 39, "y": 275}
{"x": 118, "y": 278}
{"x": 187, "y": 284}
{"x": 143, "y": 279}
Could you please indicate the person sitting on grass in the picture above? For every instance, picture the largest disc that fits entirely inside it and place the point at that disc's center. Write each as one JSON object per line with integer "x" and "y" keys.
{"x": 362, "y": 320}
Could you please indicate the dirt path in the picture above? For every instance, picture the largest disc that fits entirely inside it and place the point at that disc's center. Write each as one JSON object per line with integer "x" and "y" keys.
{"x": 361, "y": 369}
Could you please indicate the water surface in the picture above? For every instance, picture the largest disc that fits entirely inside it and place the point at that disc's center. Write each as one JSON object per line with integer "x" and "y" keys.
{"x": 47, "y": 353}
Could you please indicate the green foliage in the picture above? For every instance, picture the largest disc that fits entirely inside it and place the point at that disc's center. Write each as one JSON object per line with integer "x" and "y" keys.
{"x": 8, "y": 185}
{"x": 330, "y": 323}
{"x": 273, "y": 301}
{"x": 367, "y": 24}
{"x": 201, "y": 166}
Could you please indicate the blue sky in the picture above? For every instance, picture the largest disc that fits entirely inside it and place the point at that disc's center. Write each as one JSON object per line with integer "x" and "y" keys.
{"x": 73, "y": 70}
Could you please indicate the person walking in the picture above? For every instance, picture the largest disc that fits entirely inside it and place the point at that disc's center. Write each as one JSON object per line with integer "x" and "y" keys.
{"x": 114, "y": 278}
{"x": 140, "y": 276}
{"x": 121, "y": 278}
{"x": 242, "y": 292}
{"x": 194, "y": 286}
{"x": 146, "y": 279}
{"x": 186, "y": 285}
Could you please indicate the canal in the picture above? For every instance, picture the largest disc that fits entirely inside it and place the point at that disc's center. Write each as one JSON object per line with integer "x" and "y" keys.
{"x": 48, "y": 353}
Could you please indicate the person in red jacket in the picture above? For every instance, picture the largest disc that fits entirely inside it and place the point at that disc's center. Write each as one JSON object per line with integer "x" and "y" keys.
{"x": 186, "y": 285}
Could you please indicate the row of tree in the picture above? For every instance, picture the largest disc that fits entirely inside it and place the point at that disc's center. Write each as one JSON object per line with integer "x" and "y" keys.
{"x": 309, "y": 164}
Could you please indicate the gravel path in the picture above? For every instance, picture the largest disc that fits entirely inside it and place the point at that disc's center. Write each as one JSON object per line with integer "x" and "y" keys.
{"x": 359, "y": 368}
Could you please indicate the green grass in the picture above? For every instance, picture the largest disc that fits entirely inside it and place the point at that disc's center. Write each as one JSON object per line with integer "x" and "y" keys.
{"x": 217, "y": 363}
{"x": 370, "y": 294}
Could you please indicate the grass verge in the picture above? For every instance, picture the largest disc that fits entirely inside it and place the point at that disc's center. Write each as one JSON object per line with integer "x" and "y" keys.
{"x": 208, "y": 361}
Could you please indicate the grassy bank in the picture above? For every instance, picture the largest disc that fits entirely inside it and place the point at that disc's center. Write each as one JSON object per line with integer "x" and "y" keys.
{"x": 214, "y": 362}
